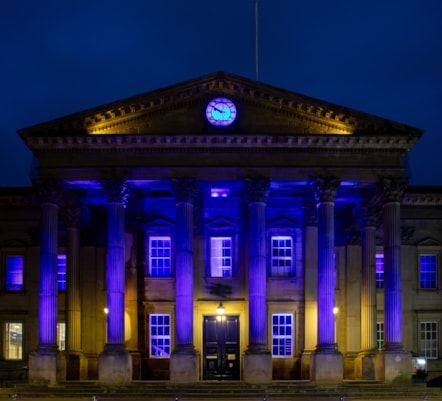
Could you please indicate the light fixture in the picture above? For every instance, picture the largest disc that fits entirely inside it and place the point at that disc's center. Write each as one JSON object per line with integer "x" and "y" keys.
{"x": 220, "y": 309}
{"x": 335, "y": 310}
{"x": 106, "y": 311}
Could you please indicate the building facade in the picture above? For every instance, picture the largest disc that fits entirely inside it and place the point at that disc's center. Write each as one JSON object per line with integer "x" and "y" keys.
{"x": 220, "y": 229}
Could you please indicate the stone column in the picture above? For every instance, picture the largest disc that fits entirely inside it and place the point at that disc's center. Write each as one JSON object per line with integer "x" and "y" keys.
{"x": 184, "y": 361}
{"x": 393, "y": 363}
{"x": 310, "y": 288}
{"x": 257, "y": 360}
{"x": 115, "y": 363}
{"x": 326, "y": 364}
{"x": 367, "y": 215}
{"x": 76, "y": 361}
{"x": 47, "y": 365}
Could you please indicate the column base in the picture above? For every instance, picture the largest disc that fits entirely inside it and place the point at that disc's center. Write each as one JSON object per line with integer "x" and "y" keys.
{"x": 365, "y": 366}
{"x": 47, "y": 367}
{"x": 76, "y": 366}
{"x": 184, "y": 367}
{"x": 258, "y": 368}
{"x": 326, "y": 367}
{"x": 394, "y": 366}
{"x": 115, "y": 367}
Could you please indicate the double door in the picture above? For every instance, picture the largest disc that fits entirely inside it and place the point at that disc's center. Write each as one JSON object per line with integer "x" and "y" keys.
{"x": 221, "y": 348}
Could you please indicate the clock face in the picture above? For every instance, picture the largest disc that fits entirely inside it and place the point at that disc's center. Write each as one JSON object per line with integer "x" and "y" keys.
{"x": 221, "y": 112}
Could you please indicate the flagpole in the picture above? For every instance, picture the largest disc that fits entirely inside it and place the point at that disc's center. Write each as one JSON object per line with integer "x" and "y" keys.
{"x": 256, "y": 40}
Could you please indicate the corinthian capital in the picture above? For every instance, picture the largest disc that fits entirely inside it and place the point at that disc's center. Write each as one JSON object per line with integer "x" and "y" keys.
{"x": 393, "y": 189}
{"x": 256, "y": 189}
{"x": 117, "y": 189}
{"x": 324, "y": 189}
{"x": 49, "y": 191}
{"x": 185, "y": 189}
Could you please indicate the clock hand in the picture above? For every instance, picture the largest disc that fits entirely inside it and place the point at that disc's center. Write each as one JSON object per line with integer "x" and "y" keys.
{"x": 216, "y": 108}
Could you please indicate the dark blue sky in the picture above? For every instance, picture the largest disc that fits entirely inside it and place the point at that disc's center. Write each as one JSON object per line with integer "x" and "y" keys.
{"x": 382, "y": 57}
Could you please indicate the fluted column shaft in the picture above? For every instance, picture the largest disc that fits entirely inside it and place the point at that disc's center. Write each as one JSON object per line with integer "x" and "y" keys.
{"x": 256, "y": 194}
{"x": 50, "y": 192}
{"x": 185, "y": 192}
{"x": 115, "y": 262}
{"x": 392, "y": 192}
{"x": 368, "y": 289}
{"x": 325, "y": 191}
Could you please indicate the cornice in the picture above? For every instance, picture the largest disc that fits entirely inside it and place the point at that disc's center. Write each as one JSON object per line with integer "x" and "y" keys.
{"x": 422, "y": 199}
{"x": 159, "y": 143}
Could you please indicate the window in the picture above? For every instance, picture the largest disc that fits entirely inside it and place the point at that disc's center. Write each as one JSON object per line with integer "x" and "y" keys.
{"x": 282, "y": 335}
{"x": 379, "y": 271}
{"x": 14, "y": 273}
{"x": 61, "y": 272}
{"x": 159, "y": 336}
{"x": 221, "y": 257}
{"x": 160, "y": 256}
{"x": 380, "y": 335}
{"x": 428, "y": 271}
{"x": 428, "y": 342}
{"x": 61, "y": 336}
{"x": 282, "y": 259}
{"x": 13, "y": 341}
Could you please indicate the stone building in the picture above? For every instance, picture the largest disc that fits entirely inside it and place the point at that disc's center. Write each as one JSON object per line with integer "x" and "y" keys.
{"x": 220, "y": 229}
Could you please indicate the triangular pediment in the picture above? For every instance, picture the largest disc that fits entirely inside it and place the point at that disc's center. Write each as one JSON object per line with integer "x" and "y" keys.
{"x": 221, "y": 222}
{"x": 428, "y": 242}
{"x": 281, "y": 222}
{"x": 180, "y": 109}
{"x": 159, "y": 223}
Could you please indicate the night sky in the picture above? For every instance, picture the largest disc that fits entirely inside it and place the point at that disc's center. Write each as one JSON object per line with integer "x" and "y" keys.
{"x": 382, "y": 57}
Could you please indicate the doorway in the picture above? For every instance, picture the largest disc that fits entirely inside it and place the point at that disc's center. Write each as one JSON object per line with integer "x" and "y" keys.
{"x": 221, "y": 348}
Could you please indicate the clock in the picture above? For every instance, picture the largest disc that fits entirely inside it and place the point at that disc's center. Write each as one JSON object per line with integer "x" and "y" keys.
{"x": 221, "y": 112}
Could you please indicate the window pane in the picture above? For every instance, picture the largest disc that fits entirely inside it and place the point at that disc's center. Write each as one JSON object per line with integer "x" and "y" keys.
{"x": 159, "y": 336}
{"x": 13, "y": 341}
{"x": 14, "y": 273}
{"x": 61, "y": 272}
{"x": 160, "y": 257}
{"x": 380, "y": 335}
{"x": 282, "y": 329}
{"x": 428, "y": 271}
{"x": 282, "y": 262}
{"x": 379, "y": 271}
{"x": 61, "y": 336}
{"x": 221, "y": 257}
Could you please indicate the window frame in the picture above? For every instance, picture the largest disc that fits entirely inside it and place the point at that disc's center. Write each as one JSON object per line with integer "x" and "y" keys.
{"x": 380, "y": 335}
{"x": 290, "y": 269}
{"x": 163, "y": 337}
{"x": 282, "y": 336}
{"x": 5, "y": 347}
{"x": 231, "y": 257}
{"x": 380, "y": 276}
{"x": 13, "y": 254}
{"x": 60, "y": 273}
{"x": 423, "y": 350}
{"x": 157, "y": 236}
{"x": 436, "y": 269}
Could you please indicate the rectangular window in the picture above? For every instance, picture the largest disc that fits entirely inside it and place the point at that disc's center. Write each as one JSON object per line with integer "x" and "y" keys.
{"x": 159, "y": 325}
{"x": 428, "y": 271}
{"x": 282, "y": 335}
{"x": 61, "y": 272}
{"x": 221, "y": 257}
{"x": 380, "y": 335}
{"x": 160, "y": 256}
{"x": 428, "y": 343}
{"x": 379, "y": 271}
{"x": 14, "y": 273}
{"x": 13, "y": 341}
{"x": 61, "y": 336}
{"x": 282, "y": 256}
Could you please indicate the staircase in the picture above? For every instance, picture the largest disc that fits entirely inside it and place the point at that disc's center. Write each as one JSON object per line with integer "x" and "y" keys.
{"x": 207, "y": 390}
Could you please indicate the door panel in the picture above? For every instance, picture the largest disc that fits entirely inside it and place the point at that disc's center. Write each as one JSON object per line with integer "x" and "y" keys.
{"x": 221, "y": 348}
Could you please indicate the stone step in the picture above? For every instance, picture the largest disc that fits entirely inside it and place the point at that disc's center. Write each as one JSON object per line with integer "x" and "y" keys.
{"x": 228, "y": 390}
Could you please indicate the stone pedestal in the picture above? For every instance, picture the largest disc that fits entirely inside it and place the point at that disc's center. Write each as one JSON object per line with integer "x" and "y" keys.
{"x": 115, "y": 367}
{"x": 394, "y": 367}
{"x": 258, "y": 368}
{"x": 326, "y": 367}
{"x": 76, "y": 366}
{"x": 46, "y": 367}
{"x": 305, "y": 364}
{"x": 365, "y": 367}
{"x": 184, "y": 367}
